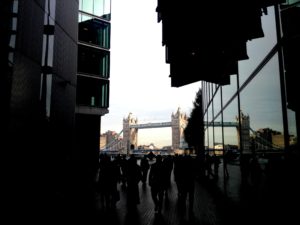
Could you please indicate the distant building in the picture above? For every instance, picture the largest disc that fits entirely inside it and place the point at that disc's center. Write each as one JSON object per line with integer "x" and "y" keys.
{"x": 147, "y": 147}
{"x": 111, "y": 141}
{"x": 267, "y": 139}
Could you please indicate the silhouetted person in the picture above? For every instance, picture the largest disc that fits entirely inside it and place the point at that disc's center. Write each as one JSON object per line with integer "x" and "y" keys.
{"x": 107, "y": 182}
{"x": 216, "y": 162}
{"x": 151, "y": 155}
{"x": 188, "y": 179}
{"x": 156, "y": 182}
{"x": 145, "y": 168}
{"x": 178, "y": 174}
{"x": 124, "y": 168}
{"x": 134, "y": 176}
{"x": 226, "y": 157}
{"x": 200, "y": 166}
{"x": 114, "y": 179}
{"x": 208, "y": 164}
{"x": 168, "y": 167}
{"x": 118, "y": 161}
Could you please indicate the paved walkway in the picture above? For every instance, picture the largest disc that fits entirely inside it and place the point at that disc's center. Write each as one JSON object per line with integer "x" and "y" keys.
{"x": 205, "y": 209}
{"x": 217, "y": 202}
{"x": 233, "y": 201}
{"x": 272, "y": 198}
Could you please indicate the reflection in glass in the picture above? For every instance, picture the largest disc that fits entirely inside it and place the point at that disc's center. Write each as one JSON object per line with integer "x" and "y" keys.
{"x": 231, "y": 132}
{"x": 258, "y": 48}
{"x": 261, "y": 100}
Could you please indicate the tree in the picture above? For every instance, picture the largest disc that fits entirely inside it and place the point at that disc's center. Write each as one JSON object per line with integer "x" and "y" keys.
{"x": 194, "y": 131}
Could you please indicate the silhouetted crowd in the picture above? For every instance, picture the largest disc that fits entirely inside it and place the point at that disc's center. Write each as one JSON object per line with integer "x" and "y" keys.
{"x": 127, "y": 172}
{"x": 156, "y": 172}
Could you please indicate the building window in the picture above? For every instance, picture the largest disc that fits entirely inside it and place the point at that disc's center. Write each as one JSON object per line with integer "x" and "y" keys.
{"x": 93, "y": 92}
{"x": 94, "y": 31}
{"x": 100, "y": 8}
{"x": 93, "y": 61}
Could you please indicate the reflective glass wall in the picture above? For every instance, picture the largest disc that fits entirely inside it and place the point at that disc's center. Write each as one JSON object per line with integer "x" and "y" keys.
{"x": 252, "y": 114}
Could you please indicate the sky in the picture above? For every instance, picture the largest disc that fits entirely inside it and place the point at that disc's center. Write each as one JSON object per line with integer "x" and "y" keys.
{"x": 139, "y": 77}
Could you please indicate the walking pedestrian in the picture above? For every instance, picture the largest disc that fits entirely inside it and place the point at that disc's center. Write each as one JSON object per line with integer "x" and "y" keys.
{"x": 156, "y": 182}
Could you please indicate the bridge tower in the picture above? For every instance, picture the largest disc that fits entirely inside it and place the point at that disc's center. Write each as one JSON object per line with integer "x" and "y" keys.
{"x": 130, "y": 135}
{"x": 179, "y": 122}
{"x": 245, "y": 133}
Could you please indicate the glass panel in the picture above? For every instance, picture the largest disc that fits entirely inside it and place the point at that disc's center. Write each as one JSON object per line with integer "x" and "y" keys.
{"x": 289, "y": 2}
{"x": 15, "y": 6}
{"x": 290, "y": 18}
{"x": 258, "y": 48}
{"x": 218, "y": 142}
{"x": 12, "y": 42}
{"x": 292, "y": 128}
{"x": 229, "y": 90}
{"x": 83, "y": 17}
{"x": 93, "y": 61}
{"x": 80, "y": 4}
{"x": 50, "y": 50}
{"x": 261, "y": 100}
{"x": 99, "y": 7}
{"x": 209, "y": 116}
{"x": 95, "y": 32}
{"x": 48, "y": 94}
{"x": 217, "y": 102}
{"x": 102, "y": 9}
{"x": 105, "y": 94}
{"x": 92, "y": 92}
{"x": 87, "y": 6}
{"x": 14, "y": 24}
{"x": 10, "y": 58}
{"x": 230, "y": 122}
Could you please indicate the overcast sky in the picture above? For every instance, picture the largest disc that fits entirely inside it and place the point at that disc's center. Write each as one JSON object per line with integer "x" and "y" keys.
{"x": 139, "y": 77}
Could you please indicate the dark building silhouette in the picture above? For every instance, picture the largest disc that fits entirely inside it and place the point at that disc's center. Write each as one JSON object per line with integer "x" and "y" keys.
{"x": 195, "y": 43}
{"x": 54, "y": 88}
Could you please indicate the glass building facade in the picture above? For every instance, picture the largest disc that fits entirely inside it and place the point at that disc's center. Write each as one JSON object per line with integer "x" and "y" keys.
{"x": 257, "y": 112}
{"x": 247, "y": 71}
{"x": 93, "y": 56}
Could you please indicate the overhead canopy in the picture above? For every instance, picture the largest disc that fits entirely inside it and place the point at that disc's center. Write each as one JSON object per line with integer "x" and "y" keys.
{"x": 204, "y": 40}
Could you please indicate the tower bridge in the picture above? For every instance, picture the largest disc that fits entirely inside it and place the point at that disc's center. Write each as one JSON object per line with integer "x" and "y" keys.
{"x": 178, "y": 123}
{"x": 131, "y": 126}
{"x": 151, "y": 125}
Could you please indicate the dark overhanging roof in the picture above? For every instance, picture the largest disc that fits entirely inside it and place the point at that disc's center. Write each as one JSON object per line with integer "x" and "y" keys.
{"x": 204, "y": 40}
